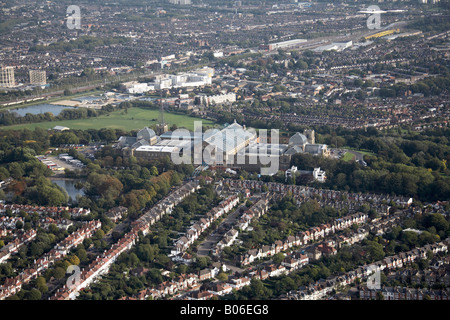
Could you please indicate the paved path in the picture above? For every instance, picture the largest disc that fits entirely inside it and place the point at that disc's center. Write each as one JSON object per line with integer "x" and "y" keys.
{"x": 215, "y": 236}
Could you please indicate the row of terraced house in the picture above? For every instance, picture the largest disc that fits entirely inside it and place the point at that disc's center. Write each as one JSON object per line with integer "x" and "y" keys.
{"x": 13, "y": 246}
{"x": 303, "y": 238}
{"x": 403, "y": 293}
{"x": 183, "y": 282}
{"x": 225, "y": 206}
{"x": 322, "y": 193}
{"x": 50, "y": 211}
{"x": 103, "y": 262}
{"x": 165, "y": 206}
{"x": 12, "y": 286}
{"x": 254, "y": 212}
{"x": 323, "y": 287}
{"x": 177, "y": 287}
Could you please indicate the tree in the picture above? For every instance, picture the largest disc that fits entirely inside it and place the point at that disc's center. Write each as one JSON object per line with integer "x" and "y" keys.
{"x": 222, "y": 276}
{"x": 41, "y": 284}
{"x": 410, "y": 238}
{"x": 379, "y": 295}
{"x": 182, "y": 269}
{"x": 99, "y": 234}
{"x": 33, "y": 294}
{"x": 82, "y": 255}
{"x": 375, "y": 250}
{"x": 59, "y": 273}
{"x": 258, "y": 291}
{"x": 19, "y": 225}
{"x": 16, "y": 170}
{"x": 133, "y": 259}
{"x": 154, "y": 171}
{"x": 146, "y": 252}
{"x": 436, "y": 220}
{"x": 278, "y": 258}
{"x": 61, "y": 138}
{"x": 202, "y": 262}
{"x": 74, "y": 260}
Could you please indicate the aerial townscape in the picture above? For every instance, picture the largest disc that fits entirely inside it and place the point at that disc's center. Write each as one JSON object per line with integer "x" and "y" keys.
{"x": 247, "y": 150}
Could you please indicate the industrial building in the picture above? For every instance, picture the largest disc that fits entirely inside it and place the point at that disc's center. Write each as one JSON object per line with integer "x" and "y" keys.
{"x": 283, "y": 45}
{"x": 135, "y": 87}
{"x": 164, "y": 148}
{"x": 195, "y": 78}
{"x": 337, "y": 46}
{"x": 382, "y": 34}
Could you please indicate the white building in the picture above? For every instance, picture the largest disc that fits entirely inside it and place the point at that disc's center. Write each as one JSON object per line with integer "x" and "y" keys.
{"x": 134, "y": 87}
{"x": 220, "y": 98}
{"x": 195, "y": 78}
{"x": 338, "y": 46}
{"x": 319, "y": 175}
{"x": 7, "y": 77}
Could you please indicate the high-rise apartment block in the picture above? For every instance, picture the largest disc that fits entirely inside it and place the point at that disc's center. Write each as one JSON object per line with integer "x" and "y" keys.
{"x": 7, "y": 77}
{"x": 38, "y": 77}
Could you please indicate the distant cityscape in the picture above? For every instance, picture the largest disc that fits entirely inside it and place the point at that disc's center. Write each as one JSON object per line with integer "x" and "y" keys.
{"x": 248, "y": 151}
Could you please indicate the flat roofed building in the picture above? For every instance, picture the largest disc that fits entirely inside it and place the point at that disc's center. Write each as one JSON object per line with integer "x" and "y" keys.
{"x": 284, "y": 44}
{"x": 38, "y": 77}
{"x": 7, "y": 77}
{"x": 155, "y": 152}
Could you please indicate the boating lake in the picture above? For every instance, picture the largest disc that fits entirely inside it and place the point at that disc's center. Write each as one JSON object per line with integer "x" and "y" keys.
{"x": 40, "y": 108}
{"x": 69, "y": 186}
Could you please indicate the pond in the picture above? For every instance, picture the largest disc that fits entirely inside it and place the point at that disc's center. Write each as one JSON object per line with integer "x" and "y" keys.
{"x": 69, "y": 186}
{"x": 40, "y": 108}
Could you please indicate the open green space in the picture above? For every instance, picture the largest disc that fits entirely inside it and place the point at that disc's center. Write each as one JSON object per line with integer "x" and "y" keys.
{"x": 347, "y": 157}
{"x": 133, "y": 119}
{"x": 364, "y": 152}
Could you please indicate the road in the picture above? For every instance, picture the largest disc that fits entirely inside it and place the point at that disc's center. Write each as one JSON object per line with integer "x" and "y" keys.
{"x": 212, "y": 239}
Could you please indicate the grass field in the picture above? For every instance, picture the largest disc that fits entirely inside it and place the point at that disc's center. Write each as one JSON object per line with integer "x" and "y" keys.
{"x": 136, "y": 118}
{"x": 364, "y": 152}
{"x": 347, "y": 157}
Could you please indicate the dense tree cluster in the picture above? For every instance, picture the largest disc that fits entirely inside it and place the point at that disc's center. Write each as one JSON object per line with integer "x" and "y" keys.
{"x": 412, "y": 164}
{"x": 86, "y": 43}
